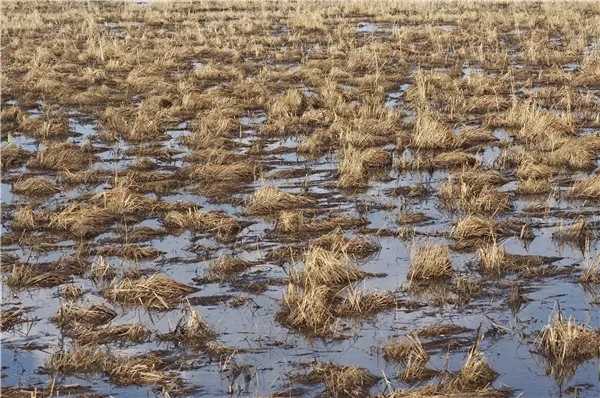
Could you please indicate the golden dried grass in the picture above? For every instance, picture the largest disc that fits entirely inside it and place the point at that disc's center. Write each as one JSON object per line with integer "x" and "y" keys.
{"x": 61, "y": 156}
{"x": 24, "y": 276}
{"x": 429, "y": 261}
{"x": 268, "y": 199}
{"x": 224, "y": 227}
{"x": 94, "y": 315}
{"x": 154, "y": 292}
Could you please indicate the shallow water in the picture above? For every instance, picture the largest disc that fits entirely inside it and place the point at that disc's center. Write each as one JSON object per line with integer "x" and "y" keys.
{"x": 271, "y": 352}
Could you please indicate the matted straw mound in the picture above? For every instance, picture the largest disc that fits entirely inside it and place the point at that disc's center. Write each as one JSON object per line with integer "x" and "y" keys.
{"x": 94, "y": 315}
{"x": 224, "y": 227}
{"x": 155, "y": 292}
{"x": 12, "y": 156}
{"x": 35, "y": 187}
{"x": 61, "y": 156}
{"x": 339, "y": 380}
{"x": 268, "y": 200}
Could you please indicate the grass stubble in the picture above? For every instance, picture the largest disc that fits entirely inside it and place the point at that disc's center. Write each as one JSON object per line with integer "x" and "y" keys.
{"x": 315, "y": 77}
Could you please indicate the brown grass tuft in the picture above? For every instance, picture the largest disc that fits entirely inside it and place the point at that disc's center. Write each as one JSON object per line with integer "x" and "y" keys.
{"x": 224, "y": 227}
{"x": 35, "y": 187}
{"x": 531, "y": 170}
{"x": 61, "y": 156}
{"x": 71, "y": 292}
{"x": 268, "y": 199}
{"x": 154, "y": 292}
{"x": 95, "y": 315}
{"x": 475, "y": 374}
{"x": 359, "y": 304}
{"x": 585, "y": 189}
{"x": 9, "y": 318}
{"x": 472, "y": 231}
{"x": 122, "y": 370}
{"x": 430, "y": 261}
{"x": 12, "y": 156}
{"x": 578, "y": 234}
{"x": 23, "y": 276}
{"x": 494, "y": 259}
{"x": 226, "y": 266}
{"x": 351, "y": 169}
{"x": 591, "y": 274}
{"x": 327, "y": 268}
{"x": 403, "y": 350}
{"x": 309, "y": 310}
{"x": 458, "y": 195}
{"x": 132, "y": 332}
{"x": 340, "y": 381}
{"x": 335, "y": 241}
{"x": 567, "y": 343}
{"x": 193, "y": 331}
{"x": 531, "y": 186}
{"x": 430, "y": 133}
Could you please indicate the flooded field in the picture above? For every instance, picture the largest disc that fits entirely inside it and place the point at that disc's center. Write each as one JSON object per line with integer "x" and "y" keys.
{"x": 299, "y": 199}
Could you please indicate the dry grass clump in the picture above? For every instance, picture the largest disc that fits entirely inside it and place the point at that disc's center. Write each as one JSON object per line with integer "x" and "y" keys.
{"x": 471, "y": 136}
{"x": 335, "y": 241}
{"x": 82, "y": 220}
{"x": 23, "y": 276}
{"x": 403, "y": 350}
{"x": 475, "y": 373}
{"x": 359, "y": 304}
{"x": 351, "y": 169}
{"x": 295, "y": 223}
{"x": 309, "y": 310}
{"x": 132, "y": 332}
{"x": 441, "y": 330}
{"x": 431, "y": 133}
{"x": 585, "y": 189}
{"x": 9, "y": 318}
{"x": 155, "y": 292}
{"x": 430, "y": 261}
{"x": 458, "y": 195}
{"x": 578, "y": 234}
{"x": 193, "y": 331}
{"x": 591, "y": 274}
{"x": 327, "y": 268}
{"x": 132, "y": 252}
{"x": 317, "y": 144}
{"x": 340, "y": 381}
{"x": 64, "y": 155}
{"x": 532, "y": 186}
{"x": 26, "y": 219}
{"x": 224, "y": 227}
{"x": 122, "y": 370}
{"x": 407, "y": 217}
{"x": 102, "y": 270}
{"x": 12, "y": 156}
{"x": 412, "y": 357}
{"x": 376, "y": 157}
{"x": 35, "y": 187}
{"x": 269, "y": 199}
{"x": 452, "y": 160}
{"x": 95, "y": 315}
{"x": 472, "y": 231}
{"x": 531, "y": 170}
{"x": 230, "y": 173}
{"x": 311, "y": 303}
{"x": 494, "y": 259}
{"x": 574, "y": 154}
{"x": 566, "y": 343}
{"x": 71, "y": 292}
{"x": 227, "y": 266}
